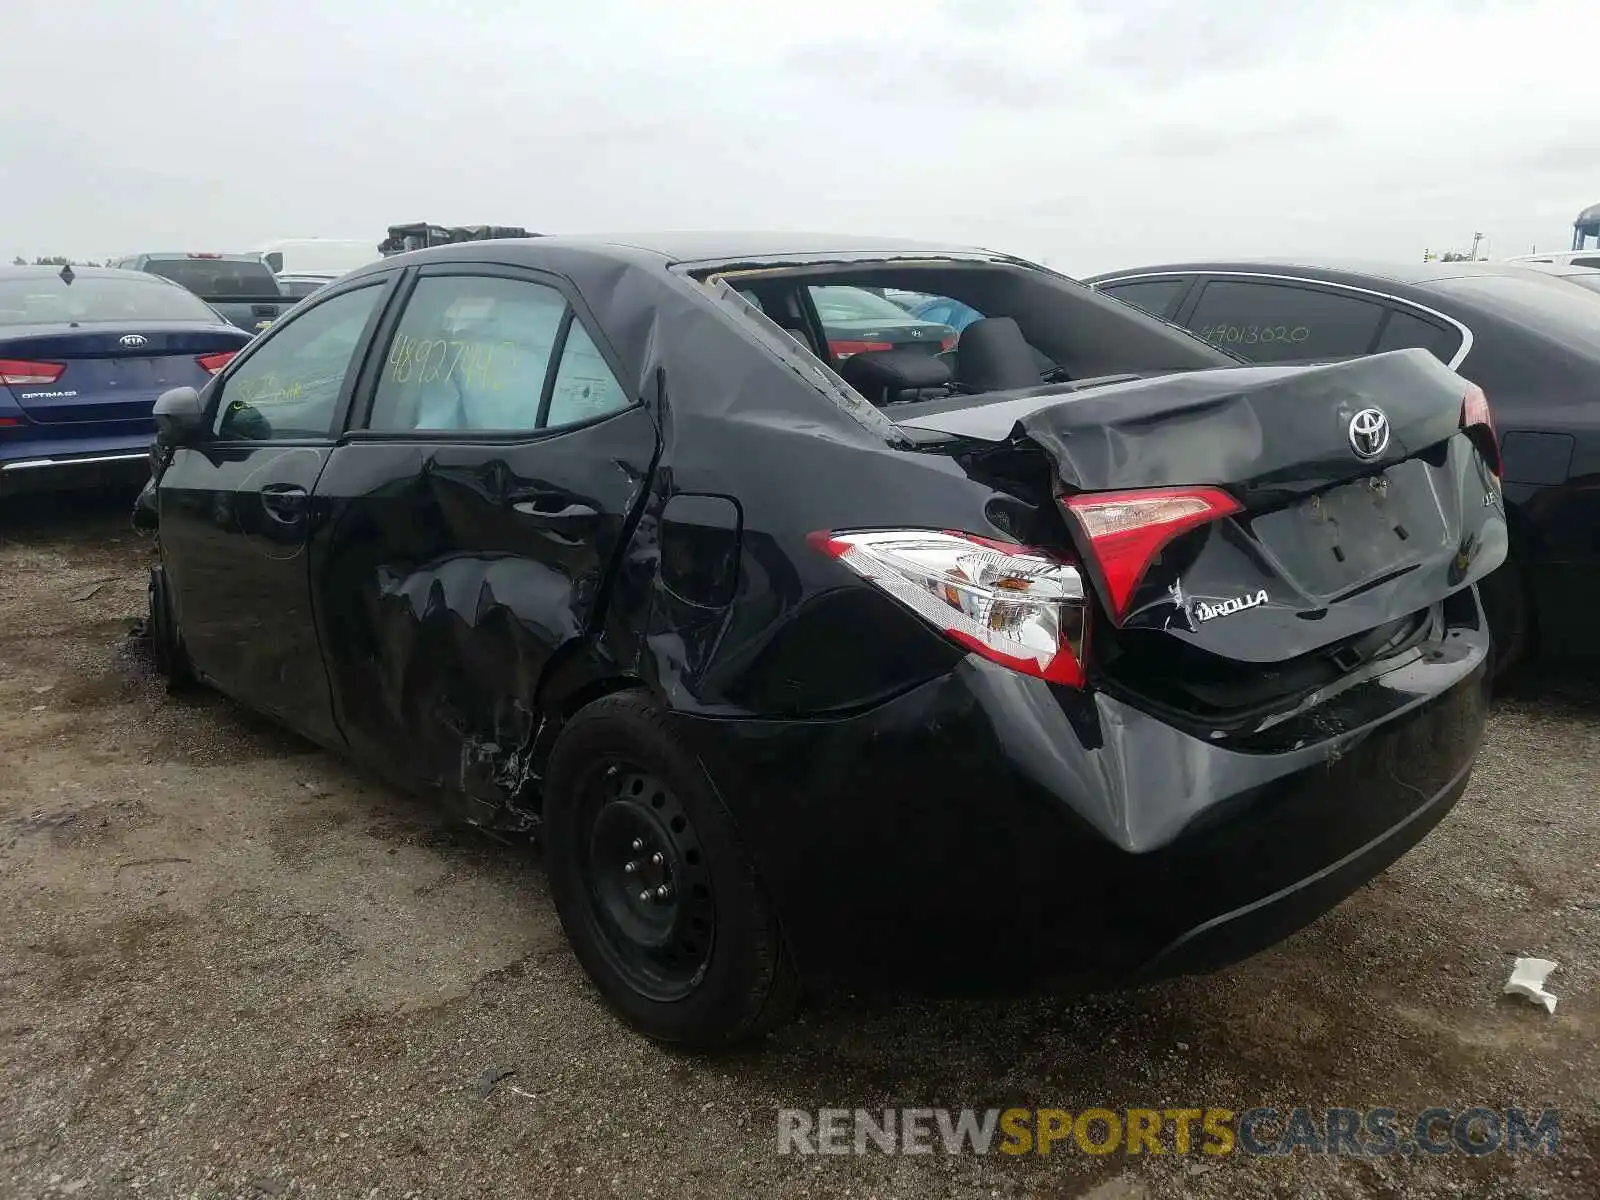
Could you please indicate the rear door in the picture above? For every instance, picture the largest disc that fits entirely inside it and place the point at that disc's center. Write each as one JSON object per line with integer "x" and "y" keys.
{"x": 236, "y": 513}
{"x": 474, "y": 511}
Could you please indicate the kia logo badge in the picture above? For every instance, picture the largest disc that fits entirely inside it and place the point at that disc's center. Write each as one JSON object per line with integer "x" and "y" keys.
{"x": 132, "y": 339}
{"x": 1369, "y": 433}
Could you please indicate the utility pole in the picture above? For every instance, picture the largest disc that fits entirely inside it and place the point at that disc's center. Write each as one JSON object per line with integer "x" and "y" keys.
{"x": 1477, "y": 240}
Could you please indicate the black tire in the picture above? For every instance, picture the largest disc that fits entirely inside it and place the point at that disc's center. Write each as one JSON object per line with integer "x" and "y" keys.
{"x": 704, "y": 969}
{"x": 1504, "y": 594}
{"x": 166, "y": 646}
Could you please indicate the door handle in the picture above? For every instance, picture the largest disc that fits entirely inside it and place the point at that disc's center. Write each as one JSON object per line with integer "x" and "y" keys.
{"x": 284, "y": 502}
{"x": 557, "y": 512}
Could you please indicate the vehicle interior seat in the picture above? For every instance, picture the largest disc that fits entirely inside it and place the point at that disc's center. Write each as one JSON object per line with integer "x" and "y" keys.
{"x": 993, "y": 356}
{"x": 892, "y": 376}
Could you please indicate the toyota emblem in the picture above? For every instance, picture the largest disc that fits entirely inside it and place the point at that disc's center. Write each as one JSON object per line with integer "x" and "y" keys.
{"x": 132, "y": 339}
{"x": 1369, "y": 433}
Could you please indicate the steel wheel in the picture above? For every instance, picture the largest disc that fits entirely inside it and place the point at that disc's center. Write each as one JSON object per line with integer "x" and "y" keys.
{"x": 646, "y": 877}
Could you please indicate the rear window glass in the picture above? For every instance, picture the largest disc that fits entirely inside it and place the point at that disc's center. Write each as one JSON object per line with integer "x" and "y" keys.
{"x": 1548, "y": 306}
{"x": 48, "y": 300}
{"x": 216, "y": 276}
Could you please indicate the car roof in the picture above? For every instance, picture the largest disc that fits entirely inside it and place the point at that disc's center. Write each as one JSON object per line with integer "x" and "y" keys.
{"x": 699, "y": 246}
{"x": 1413, "y": 274}
{"x": 708, "y": 246}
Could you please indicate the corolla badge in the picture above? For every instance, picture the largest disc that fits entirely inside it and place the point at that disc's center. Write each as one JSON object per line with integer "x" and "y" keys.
{"x": 1226, "y": 608}
{"x": 1369, "y": 433}
{"x": 132, "y": 339}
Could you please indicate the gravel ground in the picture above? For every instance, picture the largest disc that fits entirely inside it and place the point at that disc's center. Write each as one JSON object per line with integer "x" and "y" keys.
{"x": 232, "y": 966}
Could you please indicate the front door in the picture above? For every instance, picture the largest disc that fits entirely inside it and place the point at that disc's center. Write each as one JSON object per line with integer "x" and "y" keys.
{"x": 237, "y": 511}
{"x": 474, "y": 510}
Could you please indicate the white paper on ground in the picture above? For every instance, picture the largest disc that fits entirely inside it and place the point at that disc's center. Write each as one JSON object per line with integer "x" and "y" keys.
{"x": 1527, "y": 979}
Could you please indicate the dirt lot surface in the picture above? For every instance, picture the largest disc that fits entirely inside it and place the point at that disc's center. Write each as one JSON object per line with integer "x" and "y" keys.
{"x": 231, "y": 966}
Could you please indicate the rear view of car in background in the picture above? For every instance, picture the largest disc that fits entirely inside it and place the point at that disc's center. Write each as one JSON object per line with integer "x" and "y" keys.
{"x": 858, "y": 321}
{"x": 238, "y": 286}
{"x": 1527, "y": 333}
{"x": 84, "y": 352}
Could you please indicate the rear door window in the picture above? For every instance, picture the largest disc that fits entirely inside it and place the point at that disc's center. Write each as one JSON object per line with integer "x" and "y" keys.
{"x": 1156, "y": 296}
{"x": 1405, "y": 331}
{"x": 585, "y": 387}
{"x": 1284, "y": 322}
{"x": 487, "y": 353}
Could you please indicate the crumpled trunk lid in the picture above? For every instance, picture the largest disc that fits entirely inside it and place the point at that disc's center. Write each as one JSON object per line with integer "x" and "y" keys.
{"x": 1341, "y": 530}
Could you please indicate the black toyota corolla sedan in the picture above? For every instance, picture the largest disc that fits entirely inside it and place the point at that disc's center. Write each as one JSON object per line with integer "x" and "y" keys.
{"x": 1076, "y": 654}
{"x": 1529, "y": 337}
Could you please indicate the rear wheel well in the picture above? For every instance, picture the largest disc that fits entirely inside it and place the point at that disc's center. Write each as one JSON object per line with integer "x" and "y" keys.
{"x": 560, "y": 704}
{"x": 569, "y": 705}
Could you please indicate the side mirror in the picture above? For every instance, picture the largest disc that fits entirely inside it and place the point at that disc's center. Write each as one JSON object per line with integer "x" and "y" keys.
{"x": 180, "y": 416}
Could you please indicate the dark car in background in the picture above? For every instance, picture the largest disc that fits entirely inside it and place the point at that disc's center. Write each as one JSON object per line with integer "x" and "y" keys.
{"x": 1055, "y": 658}
{"x": 84, "y": 352}
{"x": 239, "y": 286}
{"x": 1530, "y": 340}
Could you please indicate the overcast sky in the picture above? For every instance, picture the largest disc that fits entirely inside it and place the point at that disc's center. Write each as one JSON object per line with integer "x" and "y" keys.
{"x": 1090, "y": 133}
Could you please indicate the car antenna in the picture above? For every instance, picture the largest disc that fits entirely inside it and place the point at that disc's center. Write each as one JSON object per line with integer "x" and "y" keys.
{"x": 66, "y": 274}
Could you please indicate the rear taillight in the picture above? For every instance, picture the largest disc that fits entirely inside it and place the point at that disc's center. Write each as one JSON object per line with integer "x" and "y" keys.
{"x": 1014, "y": 605}
{"x": 947, "y": 343}
{"x": 212, "y": 363}
{"x": 845, "y": 348}
{"x": 20, "y": 371}
{"x": 1127, "y": 530}
{"x": 1478, "y": 422}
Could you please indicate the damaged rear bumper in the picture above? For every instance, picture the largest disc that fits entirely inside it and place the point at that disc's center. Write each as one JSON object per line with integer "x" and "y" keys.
{"x": 986, "y": 830}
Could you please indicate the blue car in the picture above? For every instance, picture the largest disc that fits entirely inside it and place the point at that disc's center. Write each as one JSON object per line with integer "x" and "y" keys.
{"x": 84, "y": 352}
{"x": 945, "y": 311}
